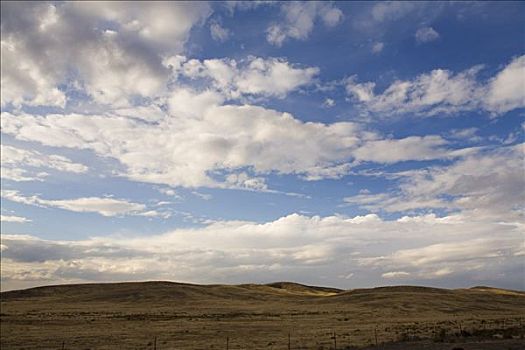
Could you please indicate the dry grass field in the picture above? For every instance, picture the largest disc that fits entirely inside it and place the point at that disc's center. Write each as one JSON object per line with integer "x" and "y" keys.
{"x": 164, "y": 315}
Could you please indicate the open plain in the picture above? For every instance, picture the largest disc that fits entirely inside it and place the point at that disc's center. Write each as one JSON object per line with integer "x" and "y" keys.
{"x": 165, "y": 315}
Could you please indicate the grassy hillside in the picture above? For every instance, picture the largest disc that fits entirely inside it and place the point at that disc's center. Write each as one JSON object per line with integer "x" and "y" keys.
{"x": 187, "y": 316}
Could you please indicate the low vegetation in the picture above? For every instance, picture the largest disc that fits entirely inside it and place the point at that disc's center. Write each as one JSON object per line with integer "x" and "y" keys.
{"x": 163, "y": 315}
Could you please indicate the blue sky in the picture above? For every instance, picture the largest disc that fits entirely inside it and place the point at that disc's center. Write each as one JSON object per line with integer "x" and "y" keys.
{"x": 351, "y": 144}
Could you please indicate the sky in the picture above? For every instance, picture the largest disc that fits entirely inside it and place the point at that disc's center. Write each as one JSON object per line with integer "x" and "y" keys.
{"x": 345, "y": 144}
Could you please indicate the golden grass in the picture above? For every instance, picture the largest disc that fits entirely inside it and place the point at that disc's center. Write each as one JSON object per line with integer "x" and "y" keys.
{"x": 186, "y": 316}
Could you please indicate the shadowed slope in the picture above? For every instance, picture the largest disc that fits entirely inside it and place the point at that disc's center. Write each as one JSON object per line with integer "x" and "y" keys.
{"x": 166, "y": 291}
{"x": 396, "y": 297}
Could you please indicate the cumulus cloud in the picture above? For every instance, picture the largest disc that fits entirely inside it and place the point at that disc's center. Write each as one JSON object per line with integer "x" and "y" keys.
{"x": 270, "y": 77}
{"x": 105, "y": 206}
{"x": 426, "y": 34}
{"x": 293, "y": 247}
{"x": 109, "y": 50}
{"x": 299, "y": 19}
{"x": 182, "y": 151}
{"x": 443, "y": 92}
{"x": 506, "y": 89}
{"x": 244, "y": 181}
{"x": 23, "y": 165}
{"x": 200, "y": 137}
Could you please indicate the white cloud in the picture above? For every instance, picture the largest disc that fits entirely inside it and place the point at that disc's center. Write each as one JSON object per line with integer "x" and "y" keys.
{"x": 439, "y": 91}
{"x": 200, "y": 138}
{"x": 506, "y": 91}
{"x": 270, "y": 77}
{"x": 14, "y": 218}
{"x": 168, "y": 192}
{"x": 18, "y": 164}
{"x": 388, "y": 10}
{"x": 116, "y": 49}
{"x": 329, "y": 103}
{"x": 18, "y": 174}
{"x": 246, "y": 5}
{"x": 489, "y": 183}
{"x": 347, "y": 276}
{"x": 181, "y": 151}
{"x": 263, "y": 76}
{"x": 299, "y": 19}
{"x": 486, "y": 183}
{"x": 23, "y": 81}
{"x": 378, "y": 47}
{"x": 296, "y": 247}
{"x": 191, "y": 104}
{"x": 385, "y": 16}
{"x": 444, "y": 259}
{"x": 165, "y": 25}
{"x": 218, "y": 33}
{"x": 105, "y": 206}
{"x": 426, "y": 34}
{"x": 244, "y": 181}
{"x": 366, "y": 199}
{"x": 395, "y": 274}
{"x": 200, "y": 141}
{"x": 443, "y": 92}
{"x": 363, "y": 92}
{"x": 467, "y": 134}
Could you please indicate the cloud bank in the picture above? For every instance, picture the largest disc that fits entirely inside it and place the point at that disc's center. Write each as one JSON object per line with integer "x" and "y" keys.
{"x": 322, "y": 250}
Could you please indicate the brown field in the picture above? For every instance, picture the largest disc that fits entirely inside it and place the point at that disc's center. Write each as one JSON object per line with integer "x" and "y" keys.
{"x": 163, "y": 315}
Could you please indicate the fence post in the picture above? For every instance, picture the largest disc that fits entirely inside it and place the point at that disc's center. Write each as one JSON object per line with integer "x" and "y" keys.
{"x": 63, "y": 344}
{"x": 227, "y": 343}
{"x": 155, "y": 343}
{"x": 375, "y": 333}
{"x": 335, "y": 341}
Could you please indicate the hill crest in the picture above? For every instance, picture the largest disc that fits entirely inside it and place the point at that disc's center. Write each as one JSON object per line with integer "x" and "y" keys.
{"x": 128, "y": 291}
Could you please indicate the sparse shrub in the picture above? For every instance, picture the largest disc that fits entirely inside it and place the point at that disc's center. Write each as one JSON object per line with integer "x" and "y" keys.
{"x": 403, "y": 337}
{"x": 465, "y": 333}
{"x": 440, "y": 336}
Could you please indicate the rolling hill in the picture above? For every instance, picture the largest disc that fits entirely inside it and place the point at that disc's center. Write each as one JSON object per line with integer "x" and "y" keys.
{"x": 190, "y": 316}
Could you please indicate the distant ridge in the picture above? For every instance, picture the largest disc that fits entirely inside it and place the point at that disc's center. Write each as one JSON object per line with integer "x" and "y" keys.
{"x": 170, "y": 290}
{"x": 302, "y": 288}
{"x": 163, "y": 290}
